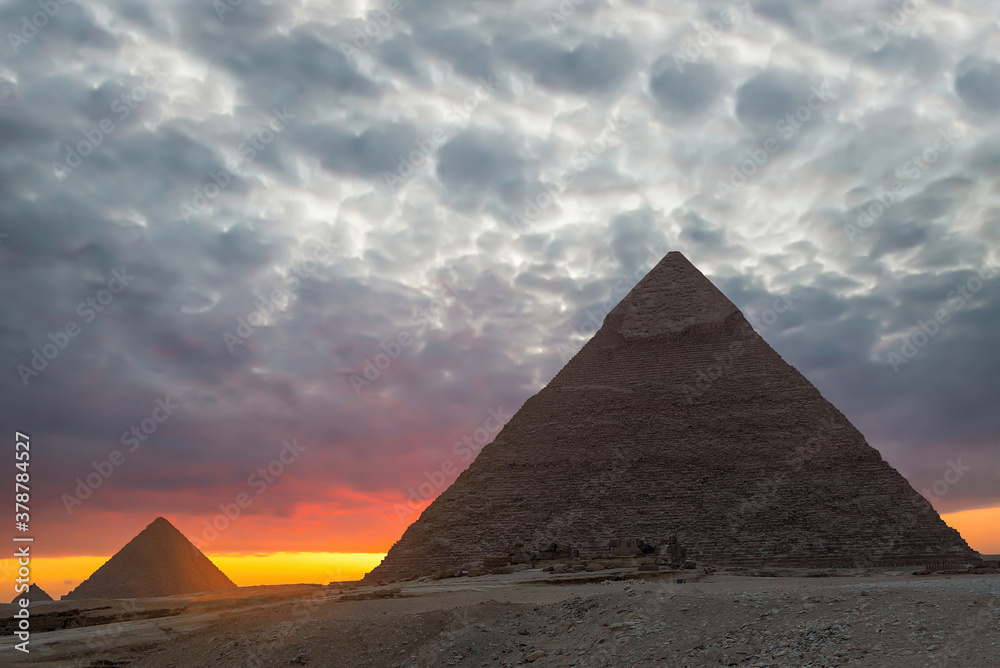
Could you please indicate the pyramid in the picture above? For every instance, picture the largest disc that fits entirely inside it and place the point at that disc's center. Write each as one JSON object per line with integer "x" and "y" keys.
{"x": 159, "y": 561}
{"x": 678, "y": 424}
{"x": 35, "y": 594}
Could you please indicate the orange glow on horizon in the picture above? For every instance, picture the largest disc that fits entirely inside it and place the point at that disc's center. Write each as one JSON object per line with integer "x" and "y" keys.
{"x": 980, "y": 528}
{"x": 55, "y": 575}
{"x": 60, "y": 575}
{"x": 295, "y": 567}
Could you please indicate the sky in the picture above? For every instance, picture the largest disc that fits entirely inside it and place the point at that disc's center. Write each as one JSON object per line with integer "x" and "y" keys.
{"x": 275, "y": 270}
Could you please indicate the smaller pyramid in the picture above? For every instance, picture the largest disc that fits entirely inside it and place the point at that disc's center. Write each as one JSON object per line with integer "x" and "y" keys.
{"x": 35, "y": 594}
{"x": 160, "y": 561}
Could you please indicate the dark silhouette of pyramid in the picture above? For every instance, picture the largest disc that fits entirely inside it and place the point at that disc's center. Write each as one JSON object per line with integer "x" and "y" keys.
{"x": 35, "y": 594}
{"x": 678, "y": 420}
{"x": 159, "y": 561}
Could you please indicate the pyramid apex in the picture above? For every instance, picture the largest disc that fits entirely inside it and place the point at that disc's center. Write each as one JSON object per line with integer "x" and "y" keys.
{"x": 161, "y": 523}
{"x": 673, "y": 297}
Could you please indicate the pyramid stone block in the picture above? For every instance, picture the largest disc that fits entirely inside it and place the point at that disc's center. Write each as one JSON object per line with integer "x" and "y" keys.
{"x": 679, "y": 426}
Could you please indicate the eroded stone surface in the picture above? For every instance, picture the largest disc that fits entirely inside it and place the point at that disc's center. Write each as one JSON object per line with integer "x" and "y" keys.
{"x": 678, "y": 419}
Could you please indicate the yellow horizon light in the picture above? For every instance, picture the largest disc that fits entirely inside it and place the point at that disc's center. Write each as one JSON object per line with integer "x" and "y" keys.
{"x": 980, "y": 528}
{"x": 60, "y": 575}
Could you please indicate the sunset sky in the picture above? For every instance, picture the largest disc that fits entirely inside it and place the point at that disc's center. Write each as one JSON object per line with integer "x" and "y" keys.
{"x": 262, "y": 206}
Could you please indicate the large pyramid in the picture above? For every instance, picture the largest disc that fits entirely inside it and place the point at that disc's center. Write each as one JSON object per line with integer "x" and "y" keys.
{"x": 678, "y": 420}
{"x": 159, "y": 561}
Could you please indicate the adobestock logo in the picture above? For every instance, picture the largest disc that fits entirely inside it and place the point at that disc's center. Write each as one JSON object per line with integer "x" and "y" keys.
{"x": 926, "y": 330}
{"x": 279, "y": 298}
{"x": 103, "y": 470}
{"x": 611, "y": 136}
{"x": 467, "y": 449}
{"x": 93, "y": 137}
{"x": 61, "y": 338}
{"x": 429, "y": 145}
{"x": 254, "y": 143}
{"x": 787, "y": 126}
{"x": 363, "y": 37}
{"x": 913, "y": 169}
{"x": 38, "y": 20}
{"x": 392, "y": 349}
{"x": 710, "y": 32}
{"x": 952, "y": 475}
{"x": 258, "y": 481}
{"x": 595, "y": 317}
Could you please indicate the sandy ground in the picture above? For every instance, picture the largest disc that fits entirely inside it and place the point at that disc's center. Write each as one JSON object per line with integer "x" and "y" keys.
{"x": 879, "y": 620}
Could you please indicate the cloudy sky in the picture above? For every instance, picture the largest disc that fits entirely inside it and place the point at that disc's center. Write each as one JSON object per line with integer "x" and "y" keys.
{"x": 235, "y": 209}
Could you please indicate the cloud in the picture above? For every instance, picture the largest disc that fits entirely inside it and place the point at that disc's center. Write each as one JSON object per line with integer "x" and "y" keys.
{"x": 977, "y": 82}
{"x": 595, "y": 66}
{"x": 688, "y": 92}
{"x": 518, "y": 293}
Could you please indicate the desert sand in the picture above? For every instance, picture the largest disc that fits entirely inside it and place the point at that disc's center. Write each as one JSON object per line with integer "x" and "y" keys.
{"x": 615, "y": 618}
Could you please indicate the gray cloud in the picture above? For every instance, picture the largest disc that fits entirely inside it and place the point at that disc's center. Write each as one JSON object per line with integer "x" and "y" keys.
{"x": 519, "y": 293}
{"x": 977, "y": 82}
{"x": 686, "y": 92}
{"x": 595, "y": 66}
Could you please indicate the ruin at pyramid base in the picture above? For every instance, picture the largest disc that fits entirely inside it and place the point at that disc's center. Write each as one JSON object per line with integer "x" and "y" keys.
{"x": 676, "y": 427}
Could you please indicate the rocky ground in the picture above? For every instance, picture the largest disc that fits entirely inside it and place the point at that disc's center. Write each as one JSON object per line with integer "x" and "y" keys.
{"x": 532, "y": 617}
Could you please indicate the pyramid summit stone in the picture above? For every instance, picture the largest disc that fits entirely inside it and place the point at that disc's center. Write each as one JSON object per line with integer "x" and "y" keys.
{"x": 671, "y": 298}
{"x": 677, "y": 429}
{"x": 159, "y": 561}
{"x": 35, "y": 594}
